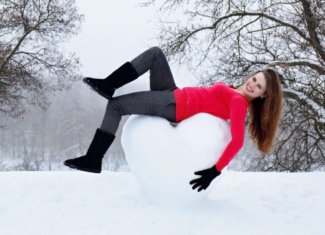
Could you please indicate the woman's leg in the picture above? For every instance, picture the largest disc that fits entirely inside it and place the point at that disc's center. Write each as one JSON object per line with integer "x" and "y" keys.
{"x": 154, "y": 60}
{"x": 153, "y": 103}
{"x": 160, "y": 101}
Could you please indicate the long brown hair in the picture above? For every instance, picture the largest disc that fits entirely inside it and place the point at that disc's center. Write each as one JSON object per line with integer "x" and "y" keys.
{"x": 265, "y": 114}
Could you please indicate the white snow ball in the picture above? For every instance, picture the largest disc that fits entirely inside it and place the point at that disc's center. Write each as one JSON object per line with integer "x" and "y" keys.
{"x": 163, "y": 158}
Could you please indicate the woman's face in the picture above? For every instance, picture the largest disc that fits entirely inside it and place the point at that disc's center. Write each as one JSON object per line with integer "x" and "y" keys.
{"x": 255, "y": 86}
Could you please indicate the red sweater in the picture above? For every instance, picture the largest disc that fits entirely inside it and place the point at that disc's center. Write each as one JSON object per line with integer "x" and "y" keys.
{"x": 221, "y": 101}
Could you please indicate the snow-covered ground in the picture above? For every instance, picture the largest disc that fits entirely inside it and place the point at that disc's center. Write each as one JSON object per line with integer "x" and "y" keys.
{"x": 74, "y": 202}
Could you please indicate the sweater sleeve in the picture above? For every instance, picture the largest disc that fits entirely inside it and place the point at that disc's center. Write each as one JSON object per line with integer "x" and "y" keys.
{"x": 238, "y": 111}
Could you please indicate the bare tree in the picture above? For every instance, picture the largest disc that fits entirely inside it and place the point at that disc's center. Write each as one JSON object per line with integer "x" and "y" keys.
{"x": 31, "y": 63}
{"x": 231, "y": 38}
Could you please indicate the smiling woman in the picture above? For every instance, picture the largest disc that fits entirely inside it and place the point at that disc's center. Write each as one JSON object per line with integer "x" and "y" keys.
{"x": 265, "y": 112}
{"x": 254, "y": 87}
{"x": 262, "y": 90}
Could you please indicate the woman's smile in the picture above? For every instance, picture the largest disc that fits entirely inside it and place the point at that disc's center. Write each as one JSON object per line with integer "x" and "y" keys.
{"x": 249, "y": 88}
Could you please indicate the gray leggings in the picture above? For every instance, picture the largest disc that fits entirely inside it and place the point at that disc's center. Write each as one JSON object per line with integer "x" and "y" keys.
{"x": 159, "y": 101}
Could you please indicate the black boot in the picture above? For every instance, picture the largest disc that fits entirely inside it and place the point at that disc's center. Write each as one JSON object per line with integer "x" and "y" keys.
{"x": 106, "y": 87}
{"x": 92, "y": 161}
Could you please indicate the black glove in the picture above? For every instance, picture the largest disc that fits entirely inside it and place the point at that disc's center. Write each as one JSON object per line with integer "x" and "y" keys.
{"x": 206, "y": 177}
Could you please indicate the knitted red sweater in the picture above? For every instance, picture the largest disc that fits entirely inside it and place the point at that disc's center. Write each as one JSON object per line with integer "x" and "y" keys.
{"x": 219, "y": 100}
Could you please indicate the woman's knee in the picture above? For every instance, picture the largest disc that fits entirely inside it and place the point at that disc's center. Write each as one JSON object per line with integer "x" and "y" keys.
{"x": 156, "y": 50}
{"x": 113, "y": 106}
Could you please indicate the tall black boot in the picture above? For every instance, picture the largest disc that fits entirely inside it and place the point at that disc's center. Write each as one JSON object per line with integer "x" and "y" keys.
{"x": 92, "y": 161}
{"x": 106, "y": 87}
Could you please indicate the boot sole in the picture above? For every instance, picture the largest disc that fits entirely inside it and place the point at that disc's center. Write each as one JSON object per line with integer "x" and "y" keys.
{"x": 91, "y": 170}
{"x": 89, "y": 84}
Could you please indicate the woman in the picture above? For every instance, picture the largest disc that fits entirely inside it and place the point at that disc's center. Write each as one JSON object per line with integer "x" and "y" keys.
{"x": 261, "y": 92}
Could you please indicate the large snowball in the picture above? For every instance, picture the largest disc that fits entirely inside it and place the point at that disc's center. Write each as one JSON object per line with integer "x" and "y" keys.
{"x": 164, "y": 158}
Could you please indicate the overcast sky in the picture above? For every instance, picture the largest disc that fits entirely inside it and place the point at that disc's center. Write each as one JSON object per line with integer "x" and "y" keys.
{"x": 115, "y": 32}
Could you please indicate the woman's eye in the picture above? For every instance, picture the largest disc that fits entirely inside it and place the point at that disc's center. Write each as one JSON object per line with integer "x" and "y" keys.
{"x": 254, "y": 79}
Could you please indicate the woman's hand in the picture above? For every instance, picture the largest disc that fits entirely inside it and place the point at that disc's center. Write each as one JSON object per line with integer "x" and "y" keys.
{"x": 206, "y": 178}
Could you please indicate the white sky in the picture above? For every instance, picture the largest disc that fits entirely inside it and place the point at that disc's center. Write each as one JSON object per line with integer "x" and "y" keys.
{"x": 115, "y": 32}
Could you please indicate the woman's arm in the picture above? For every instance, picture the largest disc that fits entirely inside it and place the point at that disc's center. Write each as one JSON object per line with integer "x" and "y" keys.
{"x": 238, "y": 111}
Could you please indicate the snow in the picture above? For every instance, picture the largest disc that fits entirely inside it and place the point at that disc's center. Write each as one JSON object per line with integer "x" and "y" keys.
{"x": 113, "y": 203}
{"x": 163, "y": 158}
{"x": 305, "y": 60}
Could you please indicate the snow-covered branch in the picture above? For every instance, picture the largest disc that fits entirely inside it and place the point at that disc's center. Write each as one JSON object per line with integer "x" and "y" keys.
{"x": 305, "y": 62}
{"x": 317, "y": 108}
